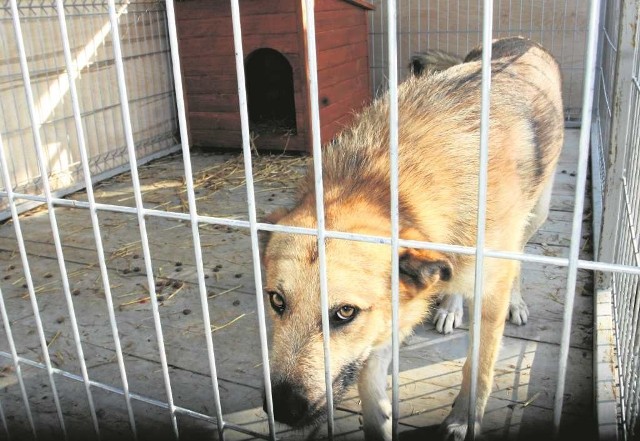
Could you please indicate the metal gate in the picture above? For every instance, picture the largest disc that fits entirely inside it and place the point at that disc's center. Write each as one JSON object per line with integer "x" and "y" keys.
{"x": 613, "y": 117}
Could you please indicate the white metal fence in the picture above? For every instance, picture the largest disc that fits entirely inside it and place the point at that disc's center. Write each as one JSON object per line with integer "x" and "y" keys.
{"x": 618, "y": 256}
{"x": 616, "y": 172}
{"x": 456, "y": 27}
{"x": 146, "y": 59}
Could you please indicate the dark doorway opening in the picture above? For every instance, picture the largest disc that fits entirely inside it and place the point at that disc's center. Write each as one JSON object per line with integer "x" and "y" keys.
{"x": 269, "y": 83}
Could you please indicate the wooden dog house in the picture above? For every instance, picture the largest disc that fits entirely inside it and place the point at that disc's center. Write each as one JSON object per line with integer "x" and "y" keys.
{"x": 275, "y": 69}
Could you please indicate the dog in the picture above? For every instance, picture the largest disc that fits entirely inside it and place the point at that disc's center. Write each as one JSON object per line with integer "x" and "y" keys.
{"x": 449, "y": 312}
{"x": 439, "y": 138}
{"x": 432, "y": 61}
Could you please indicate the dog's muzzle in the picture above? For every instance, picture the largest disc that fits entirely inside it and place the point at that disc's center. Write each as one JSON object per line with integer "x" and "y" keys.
{"x": 289, "y": 406}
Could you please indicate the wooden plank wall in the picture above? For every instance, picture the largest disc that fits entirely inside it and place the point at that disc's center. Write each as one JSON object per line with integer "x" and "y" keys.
{"x": 343, "y": 63}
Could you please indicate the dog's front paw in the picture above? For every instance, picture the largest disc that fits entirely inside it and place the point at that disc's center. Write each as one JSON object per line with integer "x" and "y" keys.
{"x": 449, "y": 314}
{"x": 376, "y": 416}
{"x": 379, "y": 430}
{"x": 518, "y": 312}
{"x": 455, "y": 429}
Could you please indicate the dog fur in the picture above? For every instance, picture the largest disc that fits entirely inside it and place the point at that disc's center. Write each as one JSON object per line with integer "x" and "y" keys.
{"x": 449, "y": 312}
{"x": 431, "y": 61}
{"x": 439, "y": 137}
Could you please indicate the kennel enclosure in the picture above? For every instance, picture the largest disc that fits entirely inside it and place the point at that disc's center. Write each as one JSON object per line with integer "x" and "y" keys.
{"x": 167, "y": 335}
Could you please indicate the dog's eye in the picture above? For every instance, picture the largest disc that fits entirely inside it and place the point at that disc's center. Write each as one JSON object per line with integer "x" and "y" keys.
{"x": 346, "y": 313}
{"x": 277, "y": 302}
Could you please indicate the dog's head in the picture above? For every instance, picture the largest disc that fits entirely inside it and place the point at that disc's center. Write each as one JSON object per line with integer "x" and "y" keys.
{"x": 359, "y": 297}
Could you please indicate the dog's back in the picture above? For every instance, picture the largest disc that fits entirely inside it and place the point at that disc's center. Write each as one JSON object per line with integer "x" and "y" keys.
{"x": 439, "y": 138}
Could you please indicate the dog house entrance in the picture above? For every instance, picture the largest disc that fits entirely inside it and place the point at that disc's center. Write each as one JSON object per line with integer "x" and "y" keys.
{"x": 269, "y": 82}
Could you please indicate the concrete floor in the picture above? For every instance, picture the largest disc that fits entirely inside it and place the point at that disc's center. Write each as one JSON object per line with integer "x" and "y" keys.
{"x": 521, "y": 406}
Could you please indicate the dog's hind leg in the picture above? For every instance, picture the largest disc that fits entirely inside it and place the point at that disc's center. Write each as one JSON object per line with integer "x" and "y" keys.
{"x": 518, "y": 310}
{"x": 495, "y": 303}
{"x": 449, "y": 313}
{"x": 372, "y": 386}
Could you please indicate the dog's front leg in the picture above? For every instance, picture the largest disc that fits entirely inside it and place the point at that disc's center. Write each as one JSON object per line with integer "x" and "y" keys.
{"x": 372, "y": 386}
{"x": 494, "y": 309}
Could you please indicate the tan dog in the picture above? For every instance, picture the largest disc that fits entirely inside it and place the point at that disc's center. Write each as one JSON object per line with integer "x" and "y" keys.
{"x": 449, "y": 312}
{"x": 439, "y": 138}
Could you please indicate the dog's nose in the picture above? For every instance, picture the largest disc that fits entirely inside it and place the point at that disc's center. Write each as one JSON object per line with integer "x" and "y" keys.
{"x": 289, "y": 406}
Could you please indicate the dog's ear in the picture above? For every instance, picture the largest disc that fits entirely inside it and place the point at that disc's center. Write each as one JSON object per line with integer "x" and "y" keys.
{"x": 422, "y": 268}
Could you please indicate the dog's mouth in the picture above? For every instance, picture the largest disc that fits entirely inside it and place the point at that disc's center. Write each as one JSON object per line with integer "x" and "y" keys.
{"x": 292, "y": 407}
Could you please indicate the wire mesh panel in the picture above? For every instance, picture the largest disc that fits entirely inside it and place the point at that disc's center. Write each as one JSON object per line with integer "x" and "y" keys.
{"x": 456, "y": 27}
{"x": 146, "y": 56}
{"x": 616, "y": 149}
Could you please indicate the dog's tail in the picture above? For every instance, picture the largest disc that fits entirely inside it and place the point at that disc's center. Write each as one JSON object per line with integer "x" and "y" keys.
{"x": 432, "y": 60}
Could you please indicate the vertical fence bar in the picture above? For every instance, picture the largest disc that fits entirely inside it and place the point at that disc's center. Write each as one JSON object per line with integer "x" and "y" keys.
{"x": 106, "y": 96}
{"x": 542, "y": 24}
{"x": 16, "y": 362}
{"x": 158, "y": 41}
{"x": 95, "y": 223}
{"x": 193, "y": 214}
{"x": 131, "y": 148}
{"x": 448, "y": 26}
{"x": 131, "y": 45}
{"x": 468, "y": 31}
{"x": 553, "y": 28}
{"x": 4, "y": 168}
{"x": 393, "y": 161}
{"x": 382, "y": 60}
{"x": 574, "y": 249}
{"x": 5, "y": 426}
{"x": 4, "y": 109}
{"x": 145, "y": 45}
{"x": 104, "y": 93}
{"x": 309, "y": 19}
{"x": 420, "y": 24}
{"x": 398, "y": 52}
{"x": 251, "y": 206}
{"x": 373, "y": 69}
{"x": 45, "y": 132}
{"x": 573, "y": 50}
{"x": 428, "y": 23}
{"x": 35, "y": 127}
{"x": 487, "y": 31}
{"x": 96, "y": 99}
